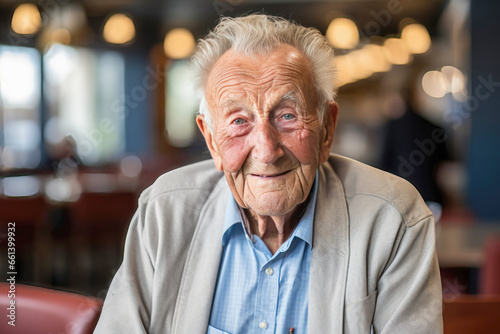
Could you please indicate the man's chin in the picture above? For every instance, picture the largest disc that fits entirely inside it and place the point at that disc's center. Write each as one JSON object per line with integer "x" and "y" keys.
{"x": 271, "y": 208}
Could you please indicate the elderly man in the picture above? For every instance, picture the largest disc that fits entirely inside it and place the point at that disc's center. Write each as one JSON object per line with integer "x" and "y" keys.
{"x": 280, "y": 236}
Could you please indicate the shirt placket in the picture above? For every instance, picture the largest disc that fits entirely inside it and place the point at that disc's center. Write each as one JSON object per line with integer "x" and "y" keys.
{"x": 267, "y": 296}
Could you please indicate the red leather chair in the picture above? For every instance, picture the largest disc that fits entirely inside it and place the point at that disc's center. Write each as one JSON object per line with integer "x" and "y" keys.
{"x": 43, "y": 310}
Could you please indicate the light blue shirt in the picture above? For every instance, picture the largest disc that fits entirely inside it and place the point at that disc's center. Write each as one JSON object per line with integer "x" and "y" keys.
{"x": 258, "y": 292}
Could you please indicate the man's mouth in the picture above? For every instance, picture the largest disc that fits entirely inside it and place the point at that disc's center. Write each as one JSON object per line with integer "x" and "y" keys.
{"x": 271, "y": 175}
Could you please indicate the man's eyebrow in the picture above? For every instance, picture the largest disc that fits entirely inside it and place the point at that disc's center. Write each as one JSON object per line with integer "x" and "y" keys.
{"x": 231, "y": 103}
{"x": 227, "y": 104}
{"x": 290, "y": 96}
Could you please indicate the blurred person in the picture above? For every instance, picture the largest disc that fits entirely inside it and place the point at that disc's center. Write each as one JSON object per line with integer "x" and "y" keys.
{"x": 275, "y": 234}
{"x": 414, "y": 148}
{"x": 63, "y": 156}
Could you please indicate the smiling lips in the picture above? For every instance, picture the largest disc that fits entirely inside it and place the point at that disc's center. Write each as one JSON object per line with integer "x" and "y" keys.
{"x": 270, "y": 176}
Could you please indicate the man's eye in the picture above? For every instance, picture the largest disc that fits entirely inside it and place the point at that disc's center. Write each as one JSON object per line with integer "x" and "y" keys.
{"x": 239, "y": 121}
{"x": 288, "y": 116}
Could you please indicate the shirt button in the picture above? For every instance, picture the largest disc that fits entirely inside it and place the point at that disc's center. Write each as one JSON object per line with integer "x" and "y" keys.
{"x": 269, "y": 271}
{"x": 263, "y": 325}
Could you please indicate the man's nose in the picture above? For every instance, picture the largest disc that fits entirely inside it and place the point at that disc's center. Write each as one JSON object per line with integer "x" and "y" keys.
{"x": 267, "y": 146}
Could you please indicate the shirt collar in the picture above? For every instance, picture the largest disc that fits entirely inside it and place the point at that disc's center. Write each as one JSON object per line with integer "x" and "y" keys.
{"x": 304, "y": 229}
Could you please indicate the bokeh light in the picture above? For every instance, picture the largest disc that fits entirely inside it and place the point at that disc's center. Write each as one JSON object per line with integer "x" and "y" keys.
{"x": 26, "y": 19}
{"x": 396, "y": 52}
{"x": 346, "y": 70}
{"x": 119, "y": 29}
{"x": 434, "y": 84}
{"x": 376, "y": 59}
{"x": 61, "y": 36}
{"x": 179, "y": 43}
{"x": 455, "y": 80}
{"x": 342, "y": 33}
{"x": 362, "y": 61}
{"x": 416, "y": 38}
{"x": 131, "y": 166}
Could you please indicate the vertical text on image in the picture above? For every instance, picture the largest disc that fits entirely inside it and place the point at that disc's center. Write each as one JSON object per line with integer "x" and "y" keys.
{"x": 11, "y": 273}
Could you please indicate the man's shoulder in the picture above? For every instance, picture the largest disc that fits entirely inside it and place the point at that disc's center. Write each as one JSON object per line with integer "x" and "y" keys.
{"x": 200, "y": 177}
{"x": 359, "y": 179}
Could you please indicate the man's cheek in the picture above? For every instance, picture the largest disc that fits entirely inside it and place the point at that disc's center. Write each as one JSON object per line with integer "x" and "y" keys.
{"x": 233, "y": 156}
{"x": 304, "y": 146}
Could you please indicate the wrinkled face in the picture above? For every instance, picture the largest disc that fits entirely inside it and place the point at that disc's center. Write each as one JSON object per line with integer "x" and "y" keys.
{"x": 267, "y": 136}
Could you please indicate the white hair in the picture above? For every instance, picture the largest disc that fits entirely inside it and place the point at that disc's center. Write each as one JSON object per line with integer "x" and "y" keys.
{"x": 262, "y": 34}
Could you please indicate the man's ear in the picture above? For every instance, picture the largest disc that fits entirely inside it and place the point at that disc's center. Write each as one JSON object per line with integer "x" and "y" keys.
{"x": 329, "y": 125}
{"x": 209, "y": 139}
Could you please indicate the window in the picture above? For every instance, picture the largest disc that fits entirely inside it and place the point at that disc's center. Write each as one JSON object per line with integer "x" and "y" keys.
{"x": 84, "y": 89}
{"x": 181, "y": 104}
{"x": 20, "y": 135}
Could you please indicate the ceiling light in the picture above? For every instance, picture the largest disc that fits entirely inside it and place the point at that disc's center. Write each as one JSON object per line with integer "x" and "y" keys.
{"x": 26, "y": 19}
{"x": 455, "y": 79}
{"x": 416, "y": 38}
{"x": 342, "y": 33}
{"x": 179, "y": 43}
{"x": 61, "y": 36}
{"x": 119, "y": 29}
{"x": 376, "y": 60}
{"x": 434, "y": 84}
{"x": 361, "y": 60}
{"x": 345, "y": 71}
{"x": 396, "y": 52}
{"x": 455, "y": 82}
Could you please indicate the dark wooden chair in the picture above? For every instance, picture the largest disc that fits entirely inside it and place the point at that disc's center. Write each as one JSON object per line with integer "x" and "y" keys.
{"x": 472, "y": 314}
{"x": 99, "y": 225}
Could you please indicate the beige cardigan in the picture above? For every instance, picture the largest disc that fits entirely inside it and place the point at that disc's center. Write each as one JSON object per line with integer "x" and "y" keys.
{"x": 373, "y": 258}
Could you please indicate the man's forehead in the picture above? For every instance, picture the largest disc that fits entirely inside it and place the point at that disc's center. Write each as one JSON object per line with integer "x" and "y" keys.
{"x": 283, "y": 55}
{"x": 285, "y": 66}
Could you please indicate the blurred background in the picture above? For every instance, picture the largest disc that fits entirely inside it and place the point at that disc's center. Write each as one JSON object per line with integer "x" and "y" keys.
{"x": 96, "y": 101}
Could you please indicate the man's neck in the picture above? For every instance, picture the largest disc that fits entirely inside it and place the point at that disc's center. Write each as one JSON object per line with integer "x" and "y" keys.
{"x": 275, "y": 230}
